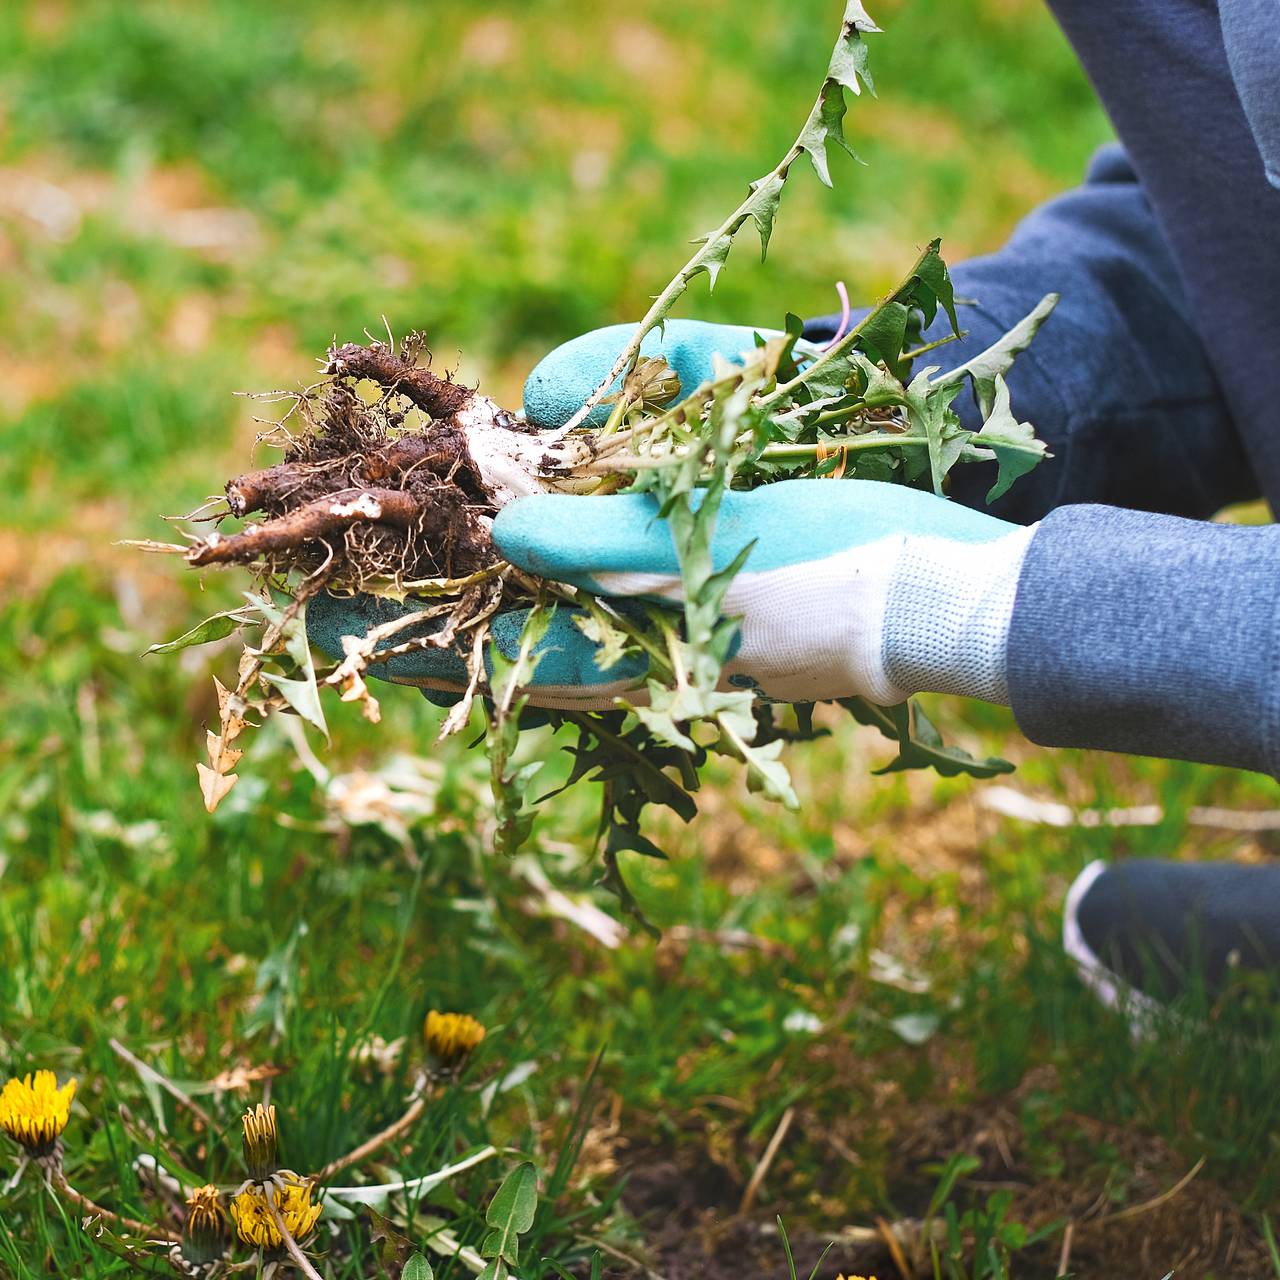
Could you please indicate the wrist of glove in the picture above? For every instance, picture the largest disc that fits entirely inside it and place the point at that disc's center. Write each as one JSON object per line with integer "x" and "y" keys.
{"x": 947, "y": 615}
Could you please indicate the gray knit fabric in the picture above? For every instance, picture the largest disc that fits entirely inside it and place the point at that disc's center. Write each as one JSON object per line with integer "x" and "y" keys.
{"x": 947, "y": 619}
{"x": 1150, "y": 634}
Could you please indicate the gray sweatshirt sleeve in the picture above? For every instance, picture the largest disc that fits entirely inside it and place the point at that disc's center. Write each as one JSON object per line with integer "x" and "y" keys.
{"x": 1149, "y": 634}
{"x": 1251, "y": 34}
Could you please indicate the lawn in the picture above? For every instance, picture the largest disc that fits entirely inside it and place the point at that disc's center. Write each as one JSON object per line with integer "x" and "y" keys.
{"x": 857, "y": 1017}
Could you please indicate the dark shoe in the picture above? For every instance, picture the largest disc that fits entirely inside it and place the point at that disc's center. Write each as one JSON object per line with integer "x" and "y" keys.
{"x": 1148, "y": 932}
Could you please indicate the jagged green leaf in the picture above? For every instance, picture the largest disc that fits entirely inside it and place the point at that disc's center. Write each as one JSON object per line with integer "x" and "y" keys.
{"x": 390, "y": 1246}
{"x": 847, "y": 69}
{"x": 928, "y": 406}
{"x": 625, "y": 839}
{"x": 984, "y": 368}
{"x": 666, "y": 710}
{"x": 766, "y": 196}
{"x": 303, "y": 695}
{"x": 920, "y": 745}
{"x": 883, "y": 333}
{"x": 713, "y": 255}
{"x": 929, "y": 286}
{"x": 882, "y": 388}
{"x": 1014, "y": 443}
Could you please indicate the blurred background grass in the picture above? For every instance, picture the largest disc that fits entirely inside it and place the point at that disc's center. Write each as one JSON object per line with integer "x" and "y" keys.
{"x": 195, "y": 200}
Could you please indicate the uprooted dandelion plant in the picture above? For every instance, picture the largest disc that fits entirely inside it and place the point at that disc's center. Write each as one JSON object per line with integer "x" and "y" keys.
{"x": 392, "y": 493}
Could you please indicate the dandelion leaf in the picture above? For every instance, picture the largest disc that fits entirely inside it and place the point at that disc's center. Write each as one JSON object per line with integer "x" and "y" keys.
{"x": 1014, "y": 443}
{"x": 929, "y": 407}
{"x": 920, "y": 745}
{"x": 510, "y": 1214}
{"x": 214, "y": 628}
{"x": 995, "y": 362}
{"x": 214, "y": 785}
{"x": 847, "y": 69}
{"x": 713, "y": 256}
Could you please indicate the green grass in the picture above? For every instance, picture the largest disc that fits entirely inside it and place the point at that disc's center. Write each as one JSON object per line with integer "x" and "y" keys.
{"x": 881, "y": 966}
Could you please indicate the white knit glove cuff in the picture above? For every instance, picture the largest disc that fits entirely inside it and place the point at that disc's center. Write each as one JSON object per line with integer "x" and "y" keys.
{"x": 948, "y": 612}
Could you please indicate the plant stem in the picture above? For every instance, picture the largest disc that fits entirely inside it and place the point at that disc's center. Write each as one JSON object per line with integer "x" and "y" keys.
{"x": 840, "y": 415}
{"x": 710, "y": 255}
{"x": 916, "y": 352}
{"x": 663, "y": 303}
{"x": 58, "y": 1181}
{"x": 290, "y": 1244}
{"x": 838, "y": 349}
{"x": 366, "y": 1149}
{"x": 421, "y": 1185}
{"x": 148, "y": 1072}
{"x": 878, "y": 441}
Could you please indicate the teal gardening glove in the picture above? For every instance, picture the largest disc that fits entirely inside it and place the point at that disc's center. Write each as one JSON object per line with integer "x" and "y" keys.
{"x": 851, "y": 588}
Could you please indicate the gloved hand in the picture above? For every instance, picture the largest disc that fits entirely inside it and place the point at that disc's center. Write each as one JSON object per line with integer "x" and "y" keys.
{"x": 852, "y": 587}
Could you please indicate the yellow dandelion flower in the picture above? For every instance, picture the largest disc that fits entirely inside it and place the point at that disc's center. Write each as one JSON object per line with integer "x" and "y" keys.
{"x": 261, "y": 1142}
{"x": 205, "y": 1227}
{"x": 451, "y": 1037}
{"x": 252, "y": 1214}
{"x": 34, "y": 1111}
{"x": 842, "y": 1276}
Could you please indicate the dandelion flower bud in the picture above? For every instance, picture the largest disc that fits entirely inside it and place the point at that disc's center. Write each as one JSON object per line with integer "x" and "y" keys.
{"x": 261, "y": 1142}
{"x": 451, "y": 1037}
{"x": 204, "y": 1232}
{"x": 653, "y": 383}
{"x": 255, "y": 1225}
{"x": 34, "y": 1111}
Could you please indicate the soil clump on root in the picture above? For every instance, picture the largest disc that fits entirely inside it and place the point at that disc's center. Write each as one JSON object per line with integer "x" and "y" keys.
{"x": 382, "y": 489}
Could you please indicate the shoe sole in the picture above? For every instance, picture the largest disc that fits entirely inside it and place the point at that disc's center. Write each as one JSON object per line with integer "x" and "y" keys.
{"x": 1108, "y": 987}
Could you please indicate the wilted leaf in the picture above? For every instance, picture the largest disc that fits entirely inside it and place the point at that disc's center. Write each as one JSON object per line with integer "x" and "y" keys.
{"x": 214, "y": 785}
{"x": 240, "y": 1078}
{"x": 230, "y": 711}
{"x": 612, "y": 644}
